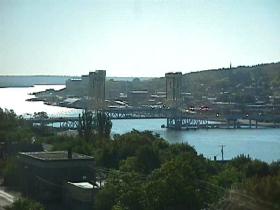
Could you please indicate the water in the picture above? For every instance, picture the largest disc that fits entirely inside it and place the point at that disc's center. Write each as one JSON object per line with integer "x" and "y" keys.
{"x": 262, "y": 144}
{"x": 15, "y": 98}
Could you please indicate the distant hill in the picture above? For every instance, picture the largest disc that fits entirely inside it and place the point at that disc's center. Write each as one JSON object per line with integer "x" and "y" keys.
{"x": 25, "y": 81}
{"x": 263, "y": 77}
{"x": 238, "y": 84}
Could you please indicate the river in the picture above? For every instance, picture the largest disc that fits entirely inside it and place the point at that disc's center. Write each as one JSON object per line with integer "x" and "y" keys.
{"x": 263, "y": 144}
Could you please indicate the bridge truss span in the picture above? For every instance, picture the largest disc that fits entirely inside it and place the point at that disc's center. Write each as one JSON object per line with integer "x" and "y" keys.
{"x": 187, "y": 122}
{"x": 176, "y": 119}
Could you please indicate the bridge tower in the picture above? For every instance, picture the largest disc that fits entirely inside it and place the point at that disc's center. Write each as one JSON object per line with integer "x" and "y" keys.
{"x": 96, "y": 89}
{"x": 173, "y": 89}
{"x": 174, "y": 99}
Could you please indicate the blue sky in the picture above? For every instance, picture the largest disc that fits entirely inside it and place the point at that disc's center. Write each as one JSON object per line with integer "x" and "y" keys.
{"x": 136, "y": 37}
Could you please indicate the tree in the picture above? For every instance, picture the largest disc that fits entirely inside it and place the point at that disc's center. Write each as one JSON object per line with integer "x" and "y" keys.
{"x": 85, "y": 124}
{"x": 264, "y": 189}
{"x": 13, "y": 127}
{"x": 11, "y": 172}
{"x": 40, "y": 115}
{"x": 173, "y": 187}
{"x": 25, "y": 204}
{"x": 122, "y": 191}
{"x": 103, "y": 125}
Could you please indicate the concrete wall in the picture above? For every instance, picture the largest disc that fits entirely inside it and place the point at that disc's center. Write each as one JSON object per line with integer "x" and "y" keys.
{"x": 173, "y": 88}
{"x": 97, "y": 88}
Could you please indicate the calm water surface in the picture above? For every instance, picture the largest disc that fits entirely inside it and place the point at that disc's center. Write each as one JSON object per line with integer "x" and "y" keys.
{"x": 263, "y": 144}
{"x": 14, "y": 98}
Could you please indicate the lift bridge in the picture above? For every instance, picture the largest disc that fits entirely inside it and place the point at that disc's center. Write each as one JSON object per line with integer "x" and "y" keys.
{"x": 175, "y": 119}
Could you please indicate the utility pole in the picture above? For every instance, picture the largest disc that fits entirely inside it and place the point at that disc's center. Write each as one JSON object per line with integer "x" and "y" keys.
{"x": 222, "y": 151}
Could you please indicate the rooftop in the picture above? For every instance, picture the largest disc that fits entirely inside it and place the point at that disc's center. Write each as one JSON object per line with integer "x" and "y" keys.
{"x": 139, "y": 91}
{"x": 84, "y": 185}
{"x": 56, "y": 155}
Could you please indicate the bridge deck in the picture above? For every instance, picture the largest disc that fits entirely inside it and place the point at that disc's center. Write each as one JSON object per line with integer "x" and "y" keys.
{"x": 175, "y": 118}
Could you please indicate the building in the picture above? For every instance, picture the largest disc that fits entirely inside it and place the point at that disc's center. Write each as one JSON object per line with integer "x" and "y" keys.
{"x": 73, "y": 86}
{"x": 8, "y": 149}
{"x": 173, "y": 88}
{"x": 77, "y": 86}
{"x": 96, "y": 89}
{"x": 138, "y": 97}
{"x": 45, "y": 173}
{"x": 79, "y": 195}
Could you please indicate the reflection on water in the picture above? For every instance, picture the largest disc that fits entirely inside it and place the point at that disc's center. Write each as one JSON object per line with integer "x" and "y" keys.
{"x": 14, "y": 98}
{"x": 263, "y": 144}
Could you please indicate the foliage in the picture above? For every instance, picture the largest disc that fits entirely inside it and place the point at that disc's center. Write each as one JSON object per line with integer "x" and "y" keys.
{"x": 89, "y": 125}
{"x": 11, "y": 172}
{"x": 266, "y": 189}
{"x": 146, "y": 172}
{"x": 85, "y": 125}
{"x": 123, "y": 191}
{"x": 227, "y": 177}
{"x": 103, "y": 125}
{"x": 173, "y": 187}
{"x": 13, "y": 127}
{"x": 25, "y": 204}
{"x": 40, "y": 115}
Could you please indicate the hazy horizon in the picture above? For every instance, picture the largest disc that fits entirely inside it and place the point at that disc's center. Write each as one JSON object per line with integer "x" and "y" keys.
{"x": 124, "y": 76}
{"x": 140, "y": 38}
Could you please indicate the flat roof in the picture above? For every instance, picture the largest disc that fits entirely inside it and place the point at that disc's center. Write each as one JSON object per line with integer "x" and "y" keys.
{"x": 56, "y": 155}
{"x": 139, "y": 91}
{"x": 84, "y": 185}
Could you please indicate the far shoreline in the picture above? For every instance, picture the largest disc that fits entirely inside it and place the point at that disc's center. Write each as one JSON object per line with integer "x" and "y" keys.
{"x": 25, "y": 86}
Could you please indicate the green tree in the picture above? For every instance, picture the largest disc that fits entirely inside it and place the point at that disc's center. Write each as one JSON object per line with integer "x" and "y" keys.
{"x": 25, "y": 204}
{"x": 173, "y": 186}
{"x": 42, "y": 129}
{"x": 227, "y": 177}
{"x": 13, "y": 127}
{"x": 40, "y": 115}
{"x": 85, "y": 125}
{"x": 266, "y": 190}
{"x": 103, "y": 125}
{"x": 11, "y": 172}
{"x": 122, "y": 191}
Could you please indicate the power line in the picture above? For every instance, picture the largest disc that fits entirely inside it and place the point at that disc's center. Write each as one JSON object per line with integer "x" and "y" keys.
{"x": 222, "y": 150}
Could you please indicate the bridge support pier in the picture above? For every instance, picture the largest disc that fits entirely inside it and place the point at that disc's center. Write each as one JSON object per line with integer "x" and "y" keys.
{"x": 174, "y": 123}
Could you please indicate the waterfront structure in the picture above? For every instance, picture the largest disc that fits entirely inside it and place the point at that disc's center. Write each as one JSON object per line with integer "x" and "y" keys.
{"x": 44, "y": 173}
{"x": 92, "y": 86}
{"x": 173, "y": 88}
{"x": 77, "y": 86}
{"x": 96, "y": 89}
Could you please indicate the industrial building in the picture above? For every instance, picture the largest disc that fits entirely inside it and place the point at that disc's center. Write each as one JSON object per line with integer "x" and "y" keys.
{"x": 45, "y": 174}
{"x": 77, "y": 86}
{"x": 97, "y": 89}
{"x": 91, "y": 87}
{"x": 138, "y": 97}
{"x": 79, "y": 195}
